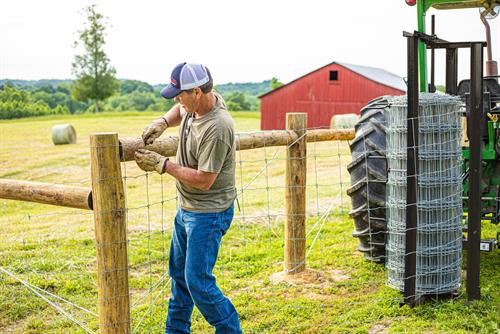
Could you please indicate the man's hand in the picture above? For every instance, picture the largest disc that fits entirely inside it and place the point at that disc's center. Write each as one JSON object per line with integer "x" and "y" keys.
{"x": 149, "y": 161}
{"x": 154, "y": 130}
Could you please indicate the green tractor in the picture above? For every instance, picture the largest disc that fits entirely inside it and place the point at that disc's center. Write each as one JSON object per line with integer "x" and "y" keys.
{"x": 368, "y": 168}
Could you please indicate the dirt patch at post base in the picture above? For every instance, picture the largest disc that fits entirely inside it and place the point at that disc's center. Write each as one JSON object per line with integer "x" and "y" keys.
{"x": 310, "y": 277}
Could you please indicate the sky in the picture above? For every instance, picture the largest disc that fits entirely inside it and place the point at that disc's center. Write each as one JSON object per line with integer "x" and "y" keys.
{"x": 238, "y": 40}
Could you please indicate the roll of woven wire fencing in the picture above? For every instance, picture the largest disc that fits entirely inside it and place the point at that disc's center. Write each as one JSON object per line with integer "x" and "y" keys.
{"x": 439, "y": 194}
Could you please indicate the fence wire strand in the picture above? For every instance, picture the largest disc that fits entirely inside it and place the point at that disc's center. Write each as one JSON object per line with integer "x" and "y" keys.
{"x": 250, "y": 268}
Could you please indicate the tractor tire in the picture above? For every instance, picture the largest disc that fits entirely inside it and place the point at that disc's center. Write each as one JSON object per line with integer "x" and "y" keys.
{"x": 368, "y": 170}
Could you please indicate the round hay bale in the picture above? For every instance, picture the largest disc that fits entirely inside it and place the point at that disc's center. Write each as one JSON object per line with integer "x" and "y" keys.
{"x": 63, "y": 134}
{"x": 345, "y": 121}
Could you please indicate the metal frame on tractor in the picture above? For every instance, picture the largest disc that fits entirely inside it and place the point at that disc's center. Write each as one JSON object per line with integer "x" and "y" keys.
{"x": 418, "y": 43}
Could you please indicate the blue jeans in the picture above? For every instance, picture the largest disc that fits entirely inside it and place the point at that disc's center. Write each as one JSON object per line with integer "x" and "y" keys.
{"x": 193, "y": 252}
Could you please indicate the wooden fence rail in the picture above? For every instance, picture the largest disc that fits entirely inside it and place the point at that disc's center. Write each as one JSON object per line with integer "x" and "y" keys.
{"x": 167, "y": 145}
{"x": 47, "y": 193}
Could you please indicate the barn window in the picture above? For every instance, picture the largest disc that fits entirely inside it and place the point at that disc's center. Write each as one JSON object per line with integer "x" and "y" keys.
{"x": 334, "y": 75}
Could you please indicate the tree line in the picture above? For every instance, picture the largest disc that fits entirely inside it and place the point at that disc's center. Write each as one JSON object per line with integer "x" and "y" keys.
{"x": 20, "y": 98}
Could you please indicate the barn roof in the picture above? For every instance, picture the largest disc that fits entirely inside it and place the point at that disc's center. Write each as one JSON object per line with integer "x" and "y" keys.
{"x": 372, "y": 73}
{"x": 379, "y": 75}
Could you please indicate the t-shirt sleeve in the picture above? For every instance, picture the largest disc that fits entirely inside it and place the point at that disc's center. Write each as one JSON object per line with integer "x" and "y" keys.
{"x": 212, "y": 155}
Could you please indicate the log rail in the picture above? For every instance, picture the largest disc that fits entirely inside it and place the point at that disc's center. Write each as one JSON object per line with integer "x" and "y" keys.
{"x": 167, "y": 145}
{"x": 81, "y": 197}
{"x": 47, "y": 193}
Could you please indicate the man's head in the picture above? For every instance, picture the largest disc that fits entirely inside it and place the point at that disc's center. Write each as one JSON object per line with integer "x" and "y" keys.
{"x": 187, "y": 78}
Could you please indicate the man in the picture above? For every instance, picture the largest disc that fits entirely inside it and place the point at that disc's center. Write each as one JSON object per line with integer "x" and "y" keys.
{"x": 205, "y": 179}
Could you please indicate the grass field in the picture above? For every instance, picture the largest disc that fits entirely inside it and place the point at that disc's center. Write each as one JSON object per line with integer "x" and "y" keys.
{"x": 52, "y": 248}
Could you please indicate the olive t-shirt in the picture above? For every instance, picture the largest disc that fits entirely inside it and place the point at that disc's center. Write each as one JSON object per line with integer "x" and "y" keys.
{"x": 207, "y": 144}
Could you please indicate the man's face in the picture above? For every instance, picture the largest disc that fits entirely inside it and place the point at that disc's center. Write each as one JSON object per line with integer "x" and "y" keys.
{"x": 189, "y": 100}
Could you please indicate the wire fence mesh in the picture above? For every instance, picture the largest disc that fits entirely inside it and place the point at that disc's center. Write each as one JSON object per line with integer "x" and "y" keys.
{"x": 48, "y": 279}
{"x": 252, "y": 249}
{"x": 45, "y": 274}
{"x": 439, "y": 202}
{"x": 251, "y": 256}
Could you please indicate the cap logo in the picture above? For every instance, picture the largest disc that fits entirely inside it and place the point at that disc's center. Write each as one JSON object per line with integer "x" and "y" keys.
{"x": 173, "y": 81}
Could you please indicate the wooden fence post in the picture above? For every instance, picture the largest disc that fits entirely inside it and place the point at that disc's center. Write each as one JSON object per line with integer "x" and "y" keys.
{"x": 110, "y": 233}
{"x": 295, "y": 195}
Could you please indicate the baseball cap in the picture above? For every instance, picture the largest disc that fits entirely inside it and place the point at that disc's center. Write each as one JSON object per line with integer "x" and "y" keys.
{"x": 185, "y": 76}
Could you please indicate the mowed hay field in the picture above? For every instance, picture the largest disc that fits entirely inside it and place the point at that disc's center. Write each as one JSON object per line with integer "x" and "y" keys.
{"x": 48, "y": 282}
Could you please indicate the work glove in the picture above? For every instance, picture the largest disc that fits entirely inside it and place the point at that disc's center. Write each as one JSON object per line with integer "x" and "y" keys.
{"x": 154, "y": 130}
{"x": 149, "y": 161}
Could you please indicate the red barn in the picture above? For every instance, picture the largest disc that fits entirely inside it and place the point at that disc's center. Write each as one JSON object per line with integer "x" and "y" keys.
{"x": 336, "y": 88}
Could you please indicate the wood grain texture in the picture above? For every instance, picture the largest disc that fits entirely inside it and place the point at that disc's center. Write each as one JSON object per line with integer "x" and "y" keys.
{"x": 46, "y": 193}
{"x": 167, "y": 146}
{"x": 111, "y": 235}
{"x": 295, "y": 195}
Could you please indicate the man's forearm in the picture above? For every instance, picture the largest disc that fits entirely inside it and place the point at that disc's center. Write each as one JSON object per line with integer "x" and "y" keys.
{"x": 192, "y": 177}
{"x": 173, "y": 116}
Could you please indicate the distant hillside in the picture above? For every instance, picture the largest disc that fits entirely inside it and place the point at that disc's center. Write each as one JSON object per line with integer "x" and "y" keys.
{"x": 27, "y": 84}
{"x": 49, "y": 96}
{"x": 250, "y": 88}
{"x": 239, "y": 96}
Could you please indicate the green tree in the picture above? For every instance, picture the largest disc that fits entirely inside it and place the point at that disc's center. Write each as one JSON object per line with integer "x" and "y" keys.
{"x": 237, "y": 101}
{"x": 95, "y": 77}
{"x": 161, "y": 104}
{"x": 275, "y": 83}
{"x": 15, "y": 103}
{"x": 129, "y": 86}
{"x": 64, "y": 88}
{"x": 11, "y": 94}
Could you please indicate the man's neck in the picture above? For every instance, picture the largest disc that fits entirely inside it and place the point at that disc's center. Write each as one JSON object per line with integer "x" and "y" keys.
{"x": 207, "y": 103}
